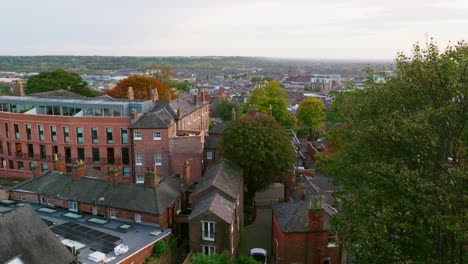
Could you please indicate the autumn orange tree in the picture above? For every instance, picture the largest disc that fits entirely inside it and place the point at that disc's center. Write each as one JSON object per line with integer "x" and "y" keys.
{"x": 142, "y": 86}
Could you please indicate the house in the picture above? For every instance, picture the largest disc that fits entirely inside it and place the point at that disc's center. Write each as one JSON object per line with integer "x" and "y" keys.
{"x": 217, "y": 210}
{"x": 27, "y": 239}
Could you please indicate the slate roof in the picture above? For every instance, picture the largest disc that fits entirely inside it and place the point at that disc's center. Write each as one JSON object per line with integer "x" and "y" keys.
{"x": 185, "y": 104}
{"x": 24, "y": 235}
{"x": 218, "y": 128}
{"x": 157, "y": 119}
{"x": 216, "y": 204}
{"x": 292, "y": 217}
{"x": 58, "y": 93}
{"x": 225, "y": 176}
{"x": 212, "y": 142}
{"x": 153, "y": 200}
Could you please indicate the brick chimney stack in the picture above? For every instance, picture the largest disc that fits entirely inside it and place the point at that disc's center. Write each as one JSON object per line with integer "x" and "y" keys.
{"x": 78, "y": 170}
{"x": 203, "y": 95}
{"x": 187, "y": 178}
{"x": 19, "y": 91}
{"x": 59, "y": 164}
{"x": 130, "y": 93}
{"x": 252, "y": 111}
{"x": 134, "y": 114}
{"x": 195, "y": 99}
{"x": 233, "y": 114}
{"x": 115, "y": 176}
{"x": 167, "y": 97}
{"x": 152, "y": 177}
{"x": 315, "y": 220}
{"x": 154, "y": 95}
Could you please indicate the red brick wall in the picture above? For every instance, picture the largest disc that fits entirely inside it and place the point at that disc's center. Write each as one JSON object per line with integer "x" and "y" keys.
{"x": 30, "y": 197}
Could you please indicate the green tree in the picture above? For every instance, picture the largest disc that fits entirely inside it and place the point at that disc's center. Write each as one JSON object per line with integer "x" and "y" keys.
{"x": 273, "y": 95}
{"x": 311, "y": 113}
{"x": 162, "y": 73}
{"x": 200, "y": 258}
{"x": 182, "y": 86}
{"x": 222, "y": 108}
{"x": 261, "y": 147}
{"x": 58, "y": 80}
{"x": 401, "y": 162}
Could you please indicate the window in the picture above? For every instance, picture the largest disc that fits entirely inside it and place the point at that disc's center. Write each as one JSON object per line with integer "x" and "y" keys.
{"x": 209, "y": 155}
{"x": 156, "y": 135}
{"x": 208, "y": 250}
{"x": 66, "y": 135}
{"x": 16, "y": 128}
{"x": 79, "y": 135}
{"x": 125, "y": 156}
{"x": 112, "y": 213}
{"x": 45, "y": 167}
{"x": 20, "y": 165}
{"x": 94, "y": 210}
{"x": 53, "y": 133}
{"x": 139, "y": 159}
{"x": 73, "y": 206}
{"x": 126, "y": 171}
{"x": 109, "y": 136}
{"x": 94, "y": 135}
{"x": 137, "y": 218}
{"x": 21, "y": 196}
{"x": 157, "y": 159}
{"x": 137, "y": 135}
{"x": 179, "y": 206}
{"x": 43, "y": 152}
{"x": 40, "y": 128}
{"x": 7, "y": 130}
{"x": 96, "y": 157}
{"x": 140, "y": 179}
{"x": 81, "y": 153}
{"x": 332, "y": 240}
{"x": 124, "y": 135}
{"x": 208, "y": 230}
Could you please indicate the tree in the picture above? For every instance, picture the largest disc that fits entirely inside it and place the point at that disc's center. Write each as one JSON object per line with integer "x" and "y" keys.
{"x": 401, "y": 164}
{"x": 142, "y": 86}
{"x": 260, "y": 146}
{"x": 162, "y": 73}
{"x": 200, "y": 258}
{"x": 222, "y": 108}
{"x": 58, "y": 80}
{"x": 311, "y": 113}
{"x": 183, "y": 86}
{"x": 272, "y": 94}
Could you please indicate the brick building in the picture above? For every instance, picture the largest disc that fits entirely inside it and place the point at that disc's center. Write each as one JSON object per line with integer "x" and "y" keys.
{"x": 217, "y": 210}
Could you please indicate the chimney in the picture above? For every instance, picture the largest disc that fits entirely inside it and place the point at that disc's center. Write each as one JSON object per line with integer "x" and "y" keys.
{"x": 134, "y": 114}
{"x": 315, "y": 217}
{"x": 178, "y": 112}
{"x": 36, "y": 170}
{"x": 154, "y": 95}
{"x": 59, "y": 164}
{"x": 187, "y": 178}
{"x": 252, "y": 111}
{"x": 115, "y": 176}
{"x": 195, "y": 99}
{"x": 270, "y": 112}
{"x": 19, "y": 91}
{"x": 78, "y": 170}
{"x": 233, "y": 114}
{"x": 203, "y": 95}
{"x": 167, "y": 96}
{"x": 130, "y": 93}
{"x": 152, "y": 177}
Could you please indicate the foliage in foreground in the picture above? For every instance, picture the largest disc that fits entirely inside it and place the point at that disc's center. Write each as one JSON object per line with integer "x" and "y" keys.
{"x": 58, "y": 80}
{"x": 401, "y": 162}
{"x": 201, "y": 258}
{"x": 260, "y": 146}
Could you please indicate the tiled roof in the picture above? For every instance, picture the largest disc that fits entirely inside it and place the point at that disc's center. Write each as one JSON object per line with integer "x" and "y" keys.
{"x": 212, "y": 142}
{"x": 216, "y": 204}
{"x": 156, "y": 119}
{"x": 292, "y": 217}
{"x": 185, "y": 104}
{"x": 24, "y": 235}
{"x": 153, "y": 200}
{"x": 225, "y": 176}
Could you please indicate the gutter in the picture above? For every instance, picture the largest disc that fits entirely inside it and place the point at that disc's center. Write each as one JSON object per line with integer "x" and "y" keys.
{"x": 144, "y": 247}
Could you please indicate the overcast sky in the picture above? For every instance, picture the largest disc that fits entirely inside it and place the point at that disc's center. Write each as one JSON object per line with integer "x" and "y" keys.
{"x": 325, "y": 29}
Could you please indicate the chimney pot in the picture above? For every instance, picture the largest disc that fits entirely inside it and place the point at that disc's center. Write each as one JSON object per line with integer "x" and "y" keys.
{"x": 78, "y": 171}
{"x": 152, "y": 177}
{"x": 130, "y": 93}
{"x": 187, "y": 178}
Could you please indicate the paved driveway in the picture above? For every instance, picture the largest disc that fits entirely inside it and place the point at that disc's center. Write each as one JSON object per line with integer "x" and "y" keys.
{"x": 257, "y": 234}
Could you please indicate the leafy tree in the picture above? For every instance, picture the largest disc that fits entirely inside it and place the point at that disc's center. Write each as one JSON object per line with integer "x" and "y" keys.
{"x": 183, "y": 86}
{"x": 272, "y": 94}
{"x": 5, "y": 89}
{"x": 142, "y": 86}
{"x": 200, "y": 258}
{"x": 162, "y": 73}
{"x": 311, "y": 113}
{"x": 260, "y": 146}
{"x": 401, "y": 166}
{"x": 58, "y": 80}
{"x": 222, "y": 108}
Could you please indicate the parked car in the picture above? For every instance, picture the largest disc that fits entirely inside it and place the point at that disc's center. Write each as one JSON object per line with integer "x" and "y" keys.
{"x": 259, "y": 254}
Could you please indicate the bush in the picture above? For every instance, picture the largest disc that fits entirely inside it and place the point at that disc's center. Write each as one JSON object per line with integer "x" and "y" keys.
{"x": 160, "y": 248}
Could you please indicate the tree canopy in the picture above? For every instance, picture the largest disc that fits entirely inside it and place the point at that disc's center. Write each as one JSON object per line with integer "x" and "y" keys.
{"x": 142, "y": 86}
{"x": 222, "y": 108}
{"x": 200, "y": 258}
{"x": 260, "y": 146}
{"x": 401, "y": 164}
{"x": 311, "y": 113}
{"x": 58, "y": 80}
{"x": 272, "y": 94}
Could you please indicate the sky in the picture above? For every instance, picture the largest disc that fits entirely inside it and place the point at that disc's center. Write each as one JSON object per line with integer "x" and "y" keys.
{"x": 308, "y": 29}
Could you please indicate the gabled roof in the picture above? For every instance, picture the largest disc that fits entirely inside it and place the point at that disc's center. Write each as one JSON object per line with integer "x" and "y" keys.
{"x": 292, "y": 217}
{"x": 185, "y": 104}
{"x": 24, "y": 235}
{"x": 157, "y": 119}
{"x": 225, "y": 176}
{"x": 153, "y": 200}
{"x": 216, "y": 204}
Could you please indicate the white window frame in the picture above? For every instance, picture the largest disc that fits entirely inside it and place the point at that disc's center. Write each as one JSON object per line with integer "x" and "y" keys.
{"x": 137, "y": 135}
{"x": 139, "y": 159}
{"x": 72, "y": 206}
{"x": 209, "y": 155}
{"x": 94, "y": 210}
{"x": 21, "y": 196}
{"x": 332, "y": 240}
{"x": 157, "y": 135}
{"x": 208, "y": 250}
{"x": 157, "y": 159}
{"x": 112, "y": 213}
{"x": 211, "y": 230}
{"x": 179, "y": 206}
{"x": 140, "y": 179}
{"x": 137, "y": 218}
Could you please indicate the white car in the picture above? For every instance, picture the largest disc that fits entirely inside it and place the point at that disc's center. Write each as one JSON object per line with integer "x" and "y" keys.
{"x": 259, "y": 254}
